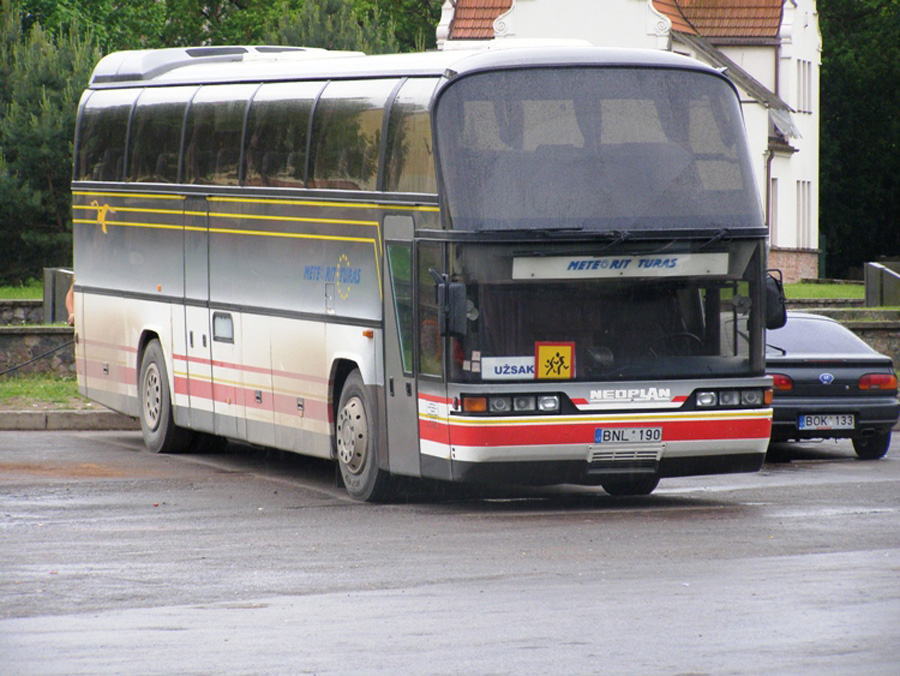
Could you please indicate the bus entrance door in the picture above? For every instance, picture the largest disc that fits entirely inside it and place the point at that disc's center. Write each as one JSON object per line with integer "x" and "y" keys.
{"x": 196, "y": 313}
{"x": 400, "y": 385}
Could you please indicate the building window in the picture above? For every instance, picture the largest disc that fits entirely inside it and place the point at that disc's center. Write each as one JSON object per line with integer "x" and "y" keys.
{"x": 804, "y": 86}
{"x": 804, "y": 214}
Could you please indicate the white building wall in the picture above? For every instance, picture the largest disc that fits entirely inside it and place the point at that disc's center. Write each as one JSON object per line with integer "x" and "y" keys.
{"x": 604, "y": 23}
{"x": 799, "y": 60}
{"x": 793, "y": 210}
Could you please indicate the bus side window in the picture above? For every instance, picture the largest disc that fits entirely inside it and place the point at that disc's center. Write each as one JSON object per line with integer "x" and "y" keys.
{"x": 347, "y": 134}
{"x": 277, "y": 131}
{"x": 430, "y": 353}
{"x": 400, "y": 262}
{"x": 101, "y": 135}
{"x": 409, "y": 166}
{"x": 215, "y": 123}
{"x": 155, "y": 142}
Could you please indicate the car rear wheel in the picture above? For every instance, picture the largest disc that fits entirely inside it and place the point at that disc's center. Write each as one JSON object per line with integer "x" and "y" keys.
{"x": 874, "y": 447}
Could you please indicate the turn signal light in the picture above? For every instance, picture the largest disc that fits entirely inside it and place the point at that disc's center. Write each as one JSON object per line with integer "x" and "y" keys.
{"x": 475, "y": 404}
{"x": 878, "y": 381}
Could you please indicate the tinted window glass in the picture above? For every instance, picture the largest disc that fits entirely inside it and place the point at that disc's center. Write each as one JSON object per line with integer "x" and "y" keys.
{"x": 594, "y": 149}
{"x": 347, "y": 134}
{"x": 410, "y": 161}
{"x": 430, "y": 341}
{"x": 400, "y": 262}
{"x": 215, "y": 124}
{"x": 277, "y": 131}
{"x": 101, "y": 136}
{"x": 156, "y": 134}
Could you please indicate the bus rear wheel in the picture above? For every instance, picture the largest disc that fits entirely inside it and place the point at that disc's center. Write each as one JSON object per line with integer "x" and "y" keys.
{"x": 356, "y": 444}
{"x": 161, "y": 434}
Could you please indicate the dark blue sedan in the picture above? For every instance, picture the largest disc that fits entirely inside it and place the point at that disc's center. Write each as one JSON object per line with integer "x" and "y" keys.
{"x": 830, "y": 384}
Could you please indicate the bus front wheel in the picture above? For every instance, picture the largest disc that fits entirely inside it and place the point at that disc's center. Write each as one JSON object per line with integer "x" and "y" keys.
{"x": 161, "y": 435}
{"x": 356, "y": 443}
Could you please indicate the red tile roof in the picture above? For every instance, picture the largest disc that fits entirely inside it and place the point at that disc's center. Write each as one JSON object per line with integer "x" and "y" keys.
{"x": 671, "y": 9}
{"x": 474, "y": 19}
{"x": 724, "y": 18}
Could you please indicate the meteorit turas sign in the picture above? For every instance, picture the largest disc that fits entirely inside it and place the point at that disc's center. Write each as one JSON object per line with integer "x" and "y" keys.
{"x": 598, "y": 267}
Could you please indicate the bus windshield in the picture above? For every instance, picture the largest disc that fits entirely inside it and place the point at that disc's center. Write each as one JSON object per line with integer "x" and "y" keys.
{"x": 601, "y": 327}
{"x": 594, "y": 149}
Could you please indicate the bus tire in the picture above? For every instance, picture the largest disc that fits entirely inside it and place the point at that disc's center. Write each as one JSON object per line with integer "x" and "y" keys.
{"x": 356, "y": 444}
{"x": 874, "y": 447}
{"x": 161, "y": 435}
{"x": 627, "y": 487}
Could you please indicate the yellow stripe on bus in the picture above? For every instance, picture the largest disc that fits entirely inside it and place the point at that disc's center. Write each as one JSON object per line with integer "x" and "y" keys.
{"x": 315, "y": 203}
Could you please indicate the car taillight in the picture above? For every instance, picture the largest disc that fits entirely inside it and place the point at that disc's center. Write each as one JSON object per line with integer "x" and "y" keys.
{"x": 878, "y": 381}
{"x": 782, "y": 382}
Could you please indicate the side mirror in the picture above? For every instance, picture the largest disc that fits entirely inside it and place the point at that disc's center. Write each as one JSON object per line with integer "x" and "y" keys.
{"x": 776, "y": 308}
{"x": 451, "y": 302}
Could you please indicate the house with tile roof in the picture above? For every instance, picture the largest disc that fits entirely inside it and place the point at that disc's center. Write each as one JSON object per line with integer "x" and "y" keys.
{"x": 770, "y": 49}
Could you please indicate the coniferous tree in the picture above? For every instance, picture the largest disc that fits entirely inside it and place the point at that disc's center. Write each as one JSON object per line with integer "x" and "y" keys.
{"x": 41, "y": 80}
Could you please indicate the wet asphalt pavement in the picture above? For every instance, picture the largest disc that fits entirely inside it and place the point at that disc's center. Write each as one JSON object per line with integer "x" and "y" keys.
{"x": 115, "y": 560}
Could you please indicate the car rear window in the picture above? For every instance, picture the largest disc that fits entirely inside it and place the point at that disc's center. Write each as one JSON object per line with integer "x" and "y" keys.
{"x": 814, "y": 336}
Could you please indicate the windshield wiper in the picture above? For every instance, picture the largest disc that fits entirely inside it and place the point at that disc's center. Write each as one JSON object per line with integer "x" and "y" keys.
{"x": 722, "y": 235}
{"x": 775, "y": 347}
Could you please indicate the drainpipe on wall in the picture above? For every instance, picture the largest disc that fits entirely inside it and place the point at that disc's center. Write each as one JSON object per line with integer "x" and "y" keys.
{"x": 770, "y": 155}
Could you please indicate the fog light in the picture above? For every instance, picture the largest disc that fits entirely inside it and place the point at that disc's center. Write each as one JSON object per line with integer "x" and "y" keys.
{"x": 729, "y": 398}
{"x": 548, "y": 403}
{"x": 706, "y": 399}
{"x": 523, "y": 404}
{"x": 751, "y": 397}
{"x": 501, "y": 404}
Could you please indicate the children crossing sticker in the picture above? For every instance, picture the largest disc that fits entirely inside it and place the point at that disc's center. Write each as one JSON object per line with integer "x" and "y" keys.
{"x": 554, "y": 361}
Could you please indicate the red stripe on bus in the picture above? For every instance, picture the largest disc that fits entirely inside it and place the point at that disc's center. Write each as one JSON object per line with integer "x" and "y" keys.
{"x": 235, "y": 395}
{"x": 250, "y": 369}
{"x": 583, "y": 433}
{"x": 434, "y": 398}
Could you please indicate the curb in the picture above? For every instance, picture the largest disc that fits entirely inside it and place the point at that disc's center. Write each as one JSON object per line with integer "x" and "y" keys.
{"x": 66, "y": 420}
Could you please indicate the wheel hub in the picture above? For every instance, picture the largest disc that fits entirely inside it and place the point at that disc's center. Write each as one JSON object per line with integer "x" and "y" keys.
{"x": 152, "y": 396}
{"x": 352, "y": 435}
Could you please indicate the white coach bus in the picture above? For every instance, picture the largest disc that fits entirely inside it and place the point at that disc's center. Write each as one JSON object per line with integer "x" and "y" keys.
{"x": 538, "y": 266}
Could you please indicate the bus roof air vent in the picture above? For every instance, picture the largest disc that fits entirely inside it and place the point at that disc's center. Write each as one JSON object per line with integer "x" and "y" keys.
{"x": 147, "y": 64}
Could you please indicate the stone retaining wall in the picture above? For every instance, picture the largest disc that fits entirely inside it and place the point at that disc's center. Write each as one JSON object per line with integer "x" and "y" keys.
{"x": 19, "y": 344}
{"x": 17, "y": 312}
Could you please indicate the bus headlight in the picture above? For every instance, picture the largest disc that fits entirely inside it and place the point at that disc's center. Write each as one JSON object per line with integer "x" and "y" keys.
{"x": 508, "y": 404}
{"x": 548, "y": 403}
{"x": 501, "y": 404}
{"x": 754, "y": 397}
{"x": 751, "y": 398}
{"x": 523, "y": 404}
{"x": 729, "y": 398}
{"x": 707, "y": 399}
